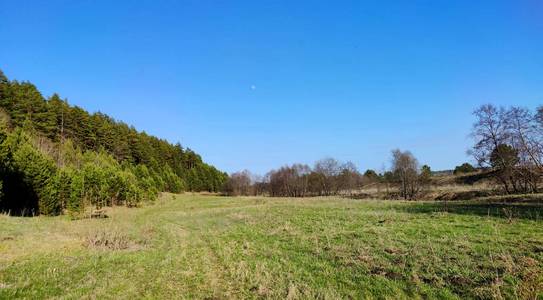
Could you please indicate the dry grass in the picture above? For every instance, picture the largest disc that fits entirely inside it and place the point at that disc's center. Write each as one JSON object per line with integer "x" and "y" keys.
{"x": 111, "y": 240}
{"x": 438, "y": 190}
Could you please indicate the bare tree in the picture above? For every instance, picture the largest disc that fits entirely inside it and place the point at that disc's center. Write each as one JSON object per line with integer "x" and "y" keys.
{"x": 406, "y": 168}
{"x": 327, "y": 170}
{"x": 526, "y": 140}
{"x": 489, "y": 131}
{"x": 239, "y": 184}
{"x": 509, "y": 142}
{"x": 290, "y": 181}
{"x": 491, "y": 134}
{"x": 504, "y": 160}
{"x": 329, "y": 177}
{"x": 300, "y": 181}
{"x": 349, "y": 179}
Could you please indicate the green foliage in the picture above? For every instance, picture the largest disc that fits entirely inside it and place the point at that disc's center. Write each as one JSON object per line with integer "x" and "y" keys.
{"x": 25, "y": 167}
{"x": 371, "y": 176}
{"x": 464, "y": 168}
{"x": 390, "y": 177}
{"x": 77, "y": 191}
{"x": 60, "y": 157}
{"x": 171, "y": 182}
{"x": 57, "y": 120}
{"x": 38, "y": 171}
{"x": 425, "y": 173}
{"x": 504, "y": 157}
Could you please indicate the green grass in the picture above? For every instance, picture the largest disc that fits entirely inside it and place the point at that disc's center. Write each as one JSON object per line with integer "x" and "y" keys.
{"x": 223, "y": 248}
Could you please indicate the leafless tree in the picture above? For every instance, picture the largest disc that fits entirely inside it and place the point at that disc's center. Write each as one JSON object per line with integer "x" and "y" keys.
{"x": 524, "y": 134}
{"x": 406, "y": 168}
{"x": 290, "y": 181}
{"x": 526, "y": 140}
{"x": 328, "y": 177}
{"x": 327, "y": 169}
{"x": 509, "y": 142}
{"x": 349, "y": 179}
{"x": 489, "y": 131}
{"x": 239, "y": 184}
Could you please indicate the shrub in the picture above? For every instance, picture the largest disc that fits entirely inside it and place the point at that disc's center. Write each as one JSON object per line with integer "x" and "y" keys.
{"x": 464, "y": 168}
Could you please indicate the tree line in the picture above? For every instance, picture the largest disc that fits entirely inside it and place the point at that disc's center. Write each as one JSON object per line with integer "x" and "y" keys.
{"x": 330, "y": 177}
{"x": 56, "y": 157}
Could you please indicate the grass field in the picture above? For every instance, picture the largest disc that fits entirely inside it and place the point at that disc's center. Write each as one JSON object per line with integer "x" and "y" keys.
{"x": 221, "y": 248}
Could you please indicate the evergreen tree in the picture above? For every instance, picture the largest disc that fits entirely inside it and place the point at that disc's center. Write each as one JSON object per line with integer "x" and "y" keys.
{"x": 60, "y": 157}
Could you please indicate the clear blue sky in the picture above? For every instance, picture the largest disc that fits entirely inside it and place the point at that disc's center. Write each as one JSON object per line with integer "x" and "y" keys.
{"x": 258, "y": 84}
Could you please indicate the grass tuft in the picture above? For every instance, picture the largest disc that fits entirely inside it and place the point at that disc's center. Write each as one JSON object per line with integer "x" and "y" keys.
{"x": 110, "y": 240}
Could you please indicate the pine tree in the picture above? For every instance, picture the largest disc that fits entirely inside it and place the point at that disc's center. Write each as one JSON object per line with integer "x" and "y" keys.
{"x": 60, "y": 157}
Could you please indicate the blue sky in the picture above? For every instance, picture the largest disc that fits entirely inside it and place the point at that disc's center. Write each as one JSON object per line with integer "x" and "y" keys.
{"x": 259, "y": 84}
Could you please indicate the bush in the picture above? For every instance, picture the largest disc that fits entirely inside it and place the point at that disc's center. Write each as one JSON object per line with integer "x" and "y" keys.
{"x": 464, "y": 168}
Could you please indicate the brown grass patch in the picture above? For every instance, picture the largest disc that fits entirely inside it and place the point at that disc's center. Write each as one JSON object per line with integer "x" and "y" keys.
{"x": 111, "y": 240}
{"x": 532, "y": 279}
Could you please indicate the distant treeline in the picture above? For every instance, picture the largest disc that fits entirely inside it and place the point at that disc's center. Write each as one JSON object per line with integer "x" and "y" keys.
{"x": 330, "y": 177}
{"x": 56, "y": 157}
{"x": 508, "y": 148}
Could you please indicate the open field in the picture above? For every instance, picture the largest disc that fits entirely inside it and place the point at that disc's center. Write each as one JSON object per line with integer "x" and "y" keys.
{"x": 187, "y": 246}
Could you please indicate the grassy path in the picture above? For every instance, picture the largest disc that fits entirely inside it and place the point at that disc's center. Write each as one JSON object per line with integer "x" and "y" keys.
{"x": 223, "y": 248}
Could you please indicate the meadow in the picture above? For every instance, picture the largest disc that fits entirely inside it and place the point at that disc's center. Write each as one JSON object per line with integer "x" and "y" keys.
{"x": 211, "y": 247}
